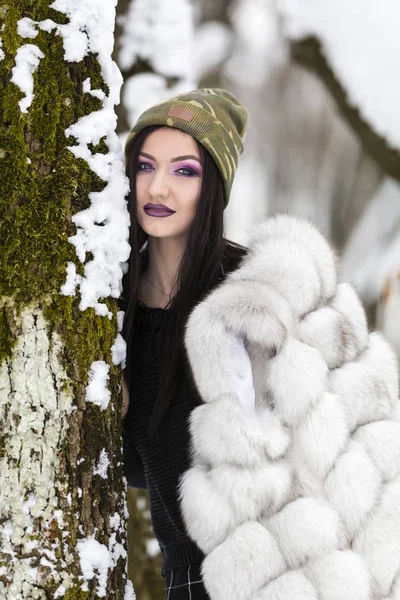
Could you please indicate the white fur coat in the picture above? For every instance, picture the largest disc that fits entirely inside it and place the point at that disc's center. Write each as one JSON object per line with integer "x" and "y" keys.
{"x": 299, "y": 500}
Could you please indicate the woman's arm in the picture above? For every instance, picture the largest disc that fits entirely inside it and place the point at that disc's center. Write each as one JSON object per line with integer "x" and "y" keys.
{"x": 133, "y": 466}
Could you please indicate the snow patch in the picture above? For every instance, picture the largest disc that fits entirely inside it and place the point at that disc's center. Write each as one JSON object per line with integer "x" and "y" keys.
{"x": 28, "y": 504}
{"x": 95, "y": 560}
{"x": 117, "y": 550}
{"x": 73, "y": 279}
{"x": 27, "y": 61}
{"x": 120, "y": 318}
{"x": 96, "y": 390}
{"x": 129, "y": 591}
{"x": 153, "y": 547}
{"x": 47, "y": 25}
{"x": 115, "y": 521}
{"x": 60, "y": 591}
{"x": 88, "y": 90}
{"x": 26, "y": 28}
{"x": 141, "y": 503}
{"x": 1, "y": 49}
{"x": 102, "y": 466}
{"x": 118, "y": 351}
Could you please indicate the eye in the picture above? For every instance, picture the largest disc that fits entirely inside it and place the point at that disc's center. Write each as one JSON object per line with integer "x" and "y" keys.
{"x": 186, "y": 171}
{"x": 144, "y": 166}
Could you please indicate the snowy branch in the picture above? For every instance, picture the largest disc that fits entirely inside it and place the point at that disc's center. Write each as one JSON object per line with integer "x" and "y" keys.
{"x": 309, "y": 54}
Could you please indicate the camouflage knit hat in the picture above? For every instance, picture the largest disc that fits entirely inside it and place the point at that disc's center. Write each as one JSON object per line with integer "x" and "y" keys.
{"x": 212, "y": 116}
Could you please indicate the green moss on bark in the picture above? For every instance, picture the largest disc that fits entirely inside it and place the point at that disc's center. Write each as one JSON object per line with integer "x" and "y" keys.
{"x": 76, "y": 594}
{"x": 42, "y": 186}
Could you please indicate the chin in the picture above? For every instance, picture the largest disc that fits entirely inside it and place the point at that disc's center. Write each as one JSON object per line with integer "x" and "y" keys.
{"x": 158, "y": 228}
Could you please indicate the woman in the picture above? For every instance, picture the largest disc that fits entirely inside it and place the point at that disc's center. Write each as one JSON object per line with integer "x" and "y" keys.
{"x": 295, "y": 496}
{"x": 293, "y": 434}
{"x": 181, "y": 158}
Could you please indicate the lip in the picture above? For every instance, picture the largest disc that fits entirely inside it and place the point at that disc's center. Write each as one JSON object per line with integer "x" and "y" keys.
{"x": 158, "y": 210}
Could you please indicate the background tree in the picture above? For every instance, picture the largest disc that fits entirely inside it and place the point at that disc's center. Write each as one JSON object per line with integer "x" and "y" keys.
{"x": 356, "y": 64}
{"x": 64, "y": 225}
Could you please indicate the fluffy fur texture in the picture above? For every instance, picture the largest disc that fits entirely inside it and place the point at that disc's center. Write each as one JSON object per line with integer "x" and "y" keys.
{"x": 300, "y": 499}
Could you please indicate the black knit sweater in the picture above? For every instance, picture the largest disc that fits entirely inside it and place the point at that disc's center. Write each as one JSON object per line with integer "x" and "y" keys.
{"x": 157, "y": 462}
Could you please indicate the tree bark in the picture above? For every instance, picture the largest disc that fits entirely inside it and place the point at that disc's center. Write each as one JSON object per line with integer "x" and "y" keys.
{"x": 308, "y": 53}
{"x": 60, "y": 457}
{"x": 144, "y": 567}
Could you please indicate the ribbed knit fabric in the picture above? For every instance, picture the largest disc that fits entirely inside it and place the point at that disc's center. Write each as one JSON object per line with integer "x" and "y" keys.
{"x": 157, "y": 462}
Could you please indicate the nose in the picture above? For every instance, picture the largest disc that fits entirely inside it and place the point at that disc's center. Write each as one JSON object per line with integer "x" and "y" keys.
{"x": 158, "y": 187}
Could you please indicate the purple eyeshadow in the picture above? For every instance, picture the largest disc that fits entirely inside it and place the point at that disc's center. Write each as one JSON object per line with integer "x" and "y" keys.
{"x": 192, "y": 165}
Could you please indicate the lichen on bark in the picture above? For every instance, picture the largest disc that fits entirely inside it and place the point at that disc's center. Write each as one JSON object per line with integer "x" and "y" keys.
{"x": 43, "y": 185}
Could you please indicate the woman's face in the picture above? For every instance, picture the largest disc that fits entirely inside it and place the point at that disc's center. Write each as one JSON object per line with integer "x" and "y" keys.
{"x": 168, "y": 182}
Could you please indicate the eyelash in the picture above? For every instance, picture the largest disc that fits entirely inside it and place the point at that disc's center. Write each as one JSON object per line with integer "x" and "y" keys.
{"x": 143, "y": 164}
{"x": 190, "y": 172}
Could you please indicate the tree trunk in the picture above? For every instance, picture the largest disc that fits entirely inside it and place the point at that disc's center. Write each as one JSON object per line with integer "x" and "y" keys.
{"x": 145, "y": 559}
{"x": 62, "y": 523}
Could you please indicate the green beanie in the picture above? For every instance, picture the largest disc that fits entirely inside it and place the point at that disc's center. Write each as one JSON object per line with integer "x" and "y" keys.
{"x": 212, "y": 116}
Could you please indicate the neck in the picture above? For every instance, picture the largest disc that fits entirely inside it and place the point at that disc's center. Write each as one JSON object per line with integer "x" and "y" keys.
{"x": 165, "y": 255}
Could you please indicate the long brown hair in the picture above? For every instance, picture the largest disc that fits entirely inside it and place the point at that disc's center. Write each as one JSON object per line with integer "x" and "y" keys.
{"x": 200, "y": 271}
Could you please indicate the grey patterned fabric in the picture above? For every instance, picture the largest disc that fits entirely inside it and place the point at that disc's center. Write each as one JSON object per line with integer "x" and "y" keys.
{"x": 185, "y": 583}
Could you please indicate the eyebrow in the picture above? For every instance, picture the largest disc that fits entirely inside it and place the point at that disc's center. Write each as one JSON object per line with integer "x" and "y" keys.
{"x": 176, "y": 159}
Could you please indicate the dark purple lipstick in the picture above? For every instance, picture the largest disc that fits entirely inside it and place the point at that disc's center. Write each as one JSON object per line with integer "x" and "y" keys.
{"x": 157, "y": 210}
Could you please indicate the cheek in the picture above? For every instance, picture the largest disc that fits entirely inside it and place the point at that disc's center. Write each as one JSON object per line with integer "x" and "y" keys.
{"x": 140, "y": 187}
{"x": 193, "y": 194}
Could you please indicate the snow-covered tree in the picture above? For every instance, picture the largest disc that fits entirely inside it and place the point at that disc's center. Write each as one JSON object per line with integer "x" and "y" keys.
{"x": 63, "y": 243}
{"x": 354, "y": 48}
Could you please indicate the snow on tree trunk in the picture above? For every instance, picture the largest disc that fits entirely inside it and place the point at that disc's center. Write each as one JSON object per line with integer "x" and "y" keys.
{"x": 64, "y": 225}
